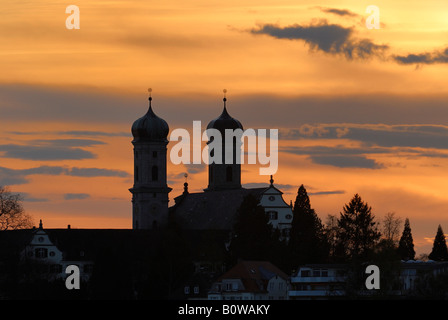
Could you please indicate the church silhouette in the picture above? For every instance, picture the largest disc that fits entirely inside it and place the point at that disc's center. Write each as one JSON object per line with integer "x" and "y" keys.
{"x": 216, "y": 206}
{"x": 168, "y": 249}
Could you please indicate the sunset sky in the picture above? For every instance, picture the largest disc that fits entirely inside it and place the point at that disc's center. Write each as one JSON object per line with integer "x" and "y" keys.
{"x": 358, "y": 110}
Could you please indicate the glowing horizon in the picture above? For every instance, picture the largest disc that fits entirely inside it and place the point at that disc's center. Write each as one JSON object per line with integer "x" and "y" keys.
{"x": 358, "y": 110}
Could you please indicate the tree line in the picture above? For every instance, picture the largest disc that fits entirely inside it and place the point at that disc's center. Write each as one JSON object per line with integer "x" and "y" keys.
{"x": 354, "y": 235}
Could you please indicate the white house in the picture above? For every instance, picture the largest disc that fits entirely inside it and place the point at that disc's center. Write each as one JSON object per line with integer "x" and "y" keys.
{"x": 279, "y": 212}
{"x": 318, "y": 281}
{"x": 48, "y": 261}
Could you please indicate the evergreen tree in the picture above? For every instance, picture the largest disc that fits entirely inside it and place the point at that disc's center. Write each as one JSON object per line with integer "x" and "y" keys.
{"x": 358, "y": 231}
{"x": 307, "y": 241}
{"x": 406, "y": 245}
{"x": 439, "y": 249}
{"x": 252, "y": 233}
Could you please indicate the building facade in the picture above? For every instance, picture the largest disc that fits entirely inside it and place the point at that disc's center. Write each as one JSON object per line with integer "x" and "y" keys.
{"x": 251, "y": 280}
{"x": 48, "y": 262}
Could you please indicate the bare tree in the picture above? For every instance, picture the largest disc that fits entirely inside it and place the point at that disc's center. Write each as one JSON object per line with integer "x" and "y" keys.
{"x": 391, "y": 227}
{"x": 12, "y": 214}
{"x": 331, "y": 230}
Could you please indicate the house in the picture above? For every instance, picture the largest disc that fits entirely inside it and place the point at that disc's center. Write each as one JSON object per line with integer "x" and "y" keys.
{"x": 251, "y": 280}
{"x": 415, "y": 274}
{"x": 330, "y": 281}
{"x": 50, "y": 262}
{"x": 318, "y": 281}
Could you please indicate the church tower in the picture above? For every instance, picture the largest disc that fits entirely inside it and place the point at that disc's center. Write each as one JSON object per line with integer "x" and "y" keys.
{"x": 225, "y": 175}
{"x": 150, "y": 190}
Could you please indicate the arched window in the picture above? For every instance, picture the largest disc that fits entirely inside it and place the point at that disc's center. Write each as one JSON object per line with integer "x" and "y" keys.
{"x": 155, "y": 173}
{"x": 229, "y": 174}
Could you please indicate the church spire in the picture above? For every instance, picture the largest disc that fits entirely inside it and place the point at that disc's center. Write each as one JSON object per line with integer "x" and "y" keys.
{"x": 150, "y": 111}
{"x": 225, "y": 114}
{"x": 224, "y": 99}
{"x": 150, "y": 189}
{"x": 225, "y": 175}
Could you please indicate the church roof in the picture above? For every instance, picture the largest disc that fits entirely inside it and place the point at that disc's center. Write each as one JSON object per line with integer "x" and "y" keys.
{"x": 210, "y": 209}
{"x": 254, "y": 274}
{"x": 150, "y": 127}
{"x": 224, "y": 121}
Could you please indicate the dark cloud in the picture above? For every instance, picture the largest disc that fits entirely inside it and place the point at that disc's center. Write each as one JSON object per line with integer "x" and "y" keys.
{"x": 96, "y": 133}
{"x": 21, "y": 176}
{"x": 342, "y": 161}
{"x": 329, "y": 38}
{"x": 338, "y": 156}
{"x": 284, "y": 187}
{"x": 423, "y": 58}
{"x": 29, "y": 198}
{"x": 412, "y": 136}
{"x": 75, "y": 133}
{"x": 9, "y": 177}
{"x": 334, "y": 150}
{"x": 339, "y": 12}
{"x": 195, "y": 168}
{"x": 43, "y": 152}
{"x": 67, "y": 142}
{"x": 96, "y": 172}
{"x": 76, "y": 196}
{"x": 254, "y": 111}
{"x": 325, "y": 193}
{"x": 51, "y": 149}
{"x": 83, "y": 105}
{"x": 398, "y": 140}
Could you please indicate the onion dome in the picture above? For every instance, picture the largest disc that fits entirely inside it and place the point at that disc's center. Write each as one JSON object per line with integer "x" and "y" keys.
{"x": 150, "y": 127}
{"x": 224, "y": 121}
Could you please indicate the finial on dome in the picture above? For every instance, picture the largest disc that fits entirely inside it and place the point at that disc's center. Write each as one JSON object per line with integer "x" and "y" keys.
{"x": 186, "y": 183}
{"x": 150, "y": 98}
{"x": 272, "y": 180}
{"x": 224, "y": 99}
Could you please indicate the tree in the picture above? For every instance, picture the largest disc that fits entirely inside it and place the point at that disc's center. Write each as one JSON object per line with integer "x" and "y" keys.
{"x": 406, "y": 245}
{"x": 252, "y": 232}
{"x": 439, "y": 249}
{"x": 12, "y": 214}
{"x": 331, "y": 234}
{"x": 307, "y": 238}
{"x": 358, "y": 231}
{"x": 391, "y": 226}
